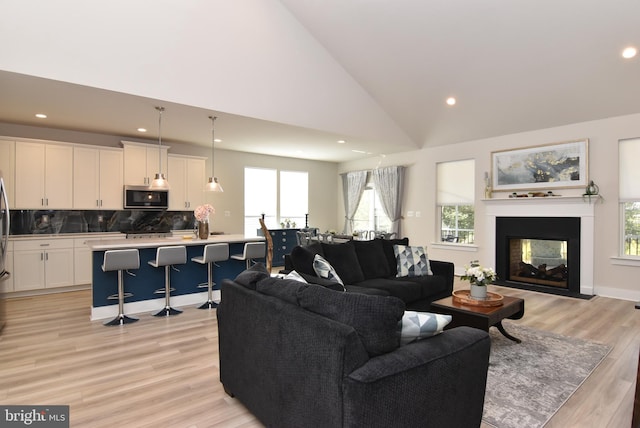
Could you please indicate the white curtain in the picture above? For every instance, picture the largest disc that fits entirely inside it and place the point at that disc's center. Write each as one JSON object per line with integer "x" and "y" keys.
{"x": 353, "y": 184}
{"x": 389, "y": 183}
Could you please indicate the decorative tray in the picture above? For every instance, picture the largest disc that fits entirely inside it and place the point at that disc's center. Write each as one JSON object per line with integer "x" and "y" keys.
{"x": 463, "y": 296}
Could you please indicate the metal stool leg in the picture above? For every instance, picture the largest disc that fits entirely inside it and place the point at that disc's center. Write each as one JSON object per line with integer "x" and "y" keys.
{"x": 121, "y": 319}
{"x": 209, "y": 304}
{"x": 167, "y": 310}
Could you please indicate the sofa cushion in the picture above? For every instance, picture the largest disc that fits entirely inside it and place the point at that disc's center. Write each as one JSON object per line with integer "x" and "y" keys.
{"x": 371, "y": 258}
{"x": 387, "y": 245}
{"x": 324, "y": 270}
{"x": 302, "y": 257}
{"x": 314, "y": 279}
{"x": 418, "y": 325}
{"x": 248, "y": 278}
{"x": 344, "y": 260}
{"x": 430, "y": 285}
{"x": 374, "y": 318}
{"x": 411, "y": 261}
{"x": 285, "y": 289}
{"x": 407, "y": 291}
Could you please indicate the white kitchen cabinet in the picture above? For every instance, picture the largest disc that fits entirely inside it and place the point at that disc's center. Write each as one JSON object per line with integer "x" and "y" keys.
{"x": 82, "y": 262}
{"x": 186, "y": 175}
{"x": 46, "y": 263}
{"x": 141, "y": 162}
{"x": 7, "y": 167}
{"x": 43, "y": 176}
{"x": 97, "y": 178}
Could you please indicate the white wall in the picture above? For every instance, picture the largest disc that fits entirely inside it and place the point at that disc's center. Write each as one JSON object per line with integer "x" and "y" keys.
{"x": 610, "y": 279}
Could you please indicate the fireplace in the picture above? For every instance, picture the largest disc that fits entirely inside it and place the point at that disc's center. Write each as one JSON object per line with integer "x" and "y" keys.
{"x": 578, "y": 252}
{"x": 539, "y": 253}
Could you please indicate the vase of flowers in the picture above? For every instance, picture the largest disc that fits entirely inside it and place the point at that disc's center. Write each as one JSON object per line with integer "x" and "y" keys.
{"x": 201, "y": 213}
{"x": 479, "y": 277}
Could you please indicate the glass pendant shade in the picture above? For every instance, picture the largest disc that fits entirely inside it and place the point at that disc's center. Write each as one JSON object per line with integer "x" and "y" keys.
{"x": 213, "y": 185}
{"x": 159, "y": 182}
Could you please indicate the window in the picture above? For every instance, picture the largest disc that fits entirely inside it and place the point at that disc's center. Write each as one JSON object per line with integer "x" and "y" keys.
{"x": 279, "y": 196}
{"x": 629, "y": 153}
{"x": 455, "y": 197}
{"x": 370, "y": 215}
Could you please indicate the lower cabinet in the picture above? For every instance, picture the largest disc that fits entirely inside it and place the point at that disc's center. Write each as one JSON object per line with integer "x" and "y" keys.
{"x": 6, "y": 286}
{"x": 41, "y": 264}
{"x": 283, "y": 242}
{"x": 82, "y": 261}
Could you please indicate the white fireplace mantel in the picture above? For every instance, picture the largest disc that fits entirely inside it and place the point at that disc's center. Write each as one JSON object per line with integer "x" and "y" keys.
{"x": 559, "y": 206}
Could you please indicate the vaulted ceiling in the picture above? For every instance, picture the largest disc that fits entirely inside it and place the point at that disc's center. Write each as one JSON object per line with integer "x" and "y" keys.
{"x": 291, "y": 77}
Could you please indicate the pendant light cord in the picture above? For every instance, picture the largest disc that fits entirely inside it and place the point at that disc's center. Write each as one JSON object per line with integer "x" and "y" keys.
{"x": 213, "y": 142}
{"x": 160, "y": 109}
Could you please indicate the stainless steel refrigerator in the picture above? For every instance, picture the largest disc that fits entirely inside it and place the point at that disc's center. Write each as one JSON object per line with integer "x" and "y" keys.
{"x": 5, "y": 225}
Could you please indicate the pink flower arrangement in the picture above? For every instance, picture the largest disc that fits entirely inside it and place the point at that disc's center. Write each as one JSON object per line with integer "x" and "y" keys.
{"x": 203, "y": 211}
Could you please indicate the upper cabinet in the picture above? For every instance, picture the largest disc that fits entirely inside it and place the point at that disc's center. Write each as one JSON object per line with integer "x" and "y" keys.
{"x": 186, "y": 177}
{"x": 141, "y": 162}
{"x": 7, "y": 167}
{"x": 98, "y": 178}
{"x": 43, "y": 175}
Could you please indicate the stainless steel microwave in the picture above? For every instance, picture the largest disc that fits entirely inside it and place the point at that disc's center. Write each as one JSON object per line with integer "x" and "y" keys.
{"x": 141, "y": 197}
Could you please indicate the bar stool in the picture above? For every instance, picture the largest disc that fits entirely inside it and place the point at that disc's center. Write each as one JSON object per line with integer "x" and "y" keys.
{"x": 252, "y": 250}
{"x": 167, "y": 257}
{"x": 121, "y": 260}
{"x": 212, "y": 253}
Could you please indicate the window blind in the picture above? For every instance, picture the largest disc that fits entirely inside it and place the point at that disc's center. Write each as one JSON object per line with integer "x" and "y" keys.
{"x": 629, "y": 157}
{"x": 455, "y": 182}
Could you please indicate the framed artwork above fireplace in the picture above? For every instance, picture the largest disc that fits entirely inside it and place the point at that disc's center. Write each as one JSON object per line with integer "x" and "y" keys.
{"x": 549, "y": 166}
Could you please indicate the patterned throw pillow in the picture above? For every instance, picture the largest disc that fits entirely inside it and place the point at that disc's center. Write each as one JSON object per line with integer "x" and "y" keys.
{"x": 412, "y": 261}
{"x": 295, "y": 276}
{"x": 324, "y": 270}
{"x": 418, "y": 325}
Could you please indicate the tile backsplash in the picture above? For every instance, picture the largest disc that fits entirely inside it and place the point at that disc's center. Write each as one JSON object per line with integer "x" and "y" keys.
{"x": 39, "y": 222}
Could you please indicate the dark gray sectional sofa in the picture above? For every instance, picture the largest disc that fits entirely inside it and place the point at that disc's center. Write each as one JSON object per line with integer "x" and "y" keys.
{"x": 303, "y": 355}
{"x": 370, "y": 267}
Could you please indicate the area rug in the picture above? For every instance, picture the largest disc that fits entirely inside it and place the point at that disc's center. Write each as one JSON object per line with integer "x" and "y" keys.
{"x": 528, "y": 382}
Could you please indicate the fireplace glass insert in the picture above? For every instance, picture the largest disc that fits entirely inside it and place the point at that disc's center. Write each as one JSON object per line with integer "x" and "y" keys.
{"x": 538, "y": 261}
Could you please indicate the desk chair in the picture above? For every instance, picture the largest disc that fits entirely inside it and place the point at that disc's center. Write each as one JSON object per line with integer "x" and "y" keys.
{"x": 252, "y": 250}
{"x": 212, "y": 253}
{"x": 121, "y": 260}
{"x": 167, "y": 257}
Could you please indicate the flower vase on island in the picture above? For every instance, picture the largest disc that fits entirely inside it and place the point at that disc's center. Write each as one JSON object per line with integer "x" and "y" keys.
{"x": 478, "y": 278}
{"x": 202, "y": 217}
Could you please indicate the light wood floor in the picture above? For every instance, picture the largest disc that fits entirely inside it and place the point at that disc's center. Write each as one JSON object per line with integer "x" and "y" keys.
{"x": 163, "y": 372}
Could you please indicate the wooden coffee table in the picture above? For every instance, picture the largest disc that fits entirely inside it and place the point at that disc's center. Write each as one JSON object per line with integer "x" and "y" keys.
{"x": 481, "y": 317}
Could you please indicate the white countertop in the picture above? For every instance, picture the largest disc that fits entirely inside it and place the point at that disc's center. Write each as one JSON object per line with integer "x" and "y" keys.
{"x": 121, "y": 243}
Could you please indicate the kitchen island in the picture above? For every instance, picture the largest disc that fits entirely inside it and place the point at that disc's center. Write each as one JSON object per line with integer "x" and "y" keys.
{"x": 149, "y": 279}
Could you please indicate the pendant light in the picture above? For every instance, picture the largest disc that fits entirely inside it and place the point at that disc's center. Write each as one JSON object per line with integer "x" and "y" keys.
{"x": 213, "y": 185}
{"x": 159, "y": 182}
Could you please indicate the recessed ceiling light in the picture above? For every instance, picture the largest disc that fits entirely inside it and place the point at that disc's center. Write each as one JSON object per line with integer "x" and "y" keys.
{"x": 629, "y": 52}
{"x": 142, "y": 129}
{"x": 451, "y": 101}
{"x": 41, "y": 116}
{"x": 358, "y": 151}
{"x": 217, "y": 140}
{"x": 341, "y": 141}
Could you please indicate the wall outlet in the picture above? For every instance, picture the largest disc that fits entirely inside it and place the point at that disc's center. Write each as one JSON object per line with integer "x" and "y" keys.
{"x": 418, "y": 214}
{"x": 409, "y": 213}
{"x": 227, "y": 213}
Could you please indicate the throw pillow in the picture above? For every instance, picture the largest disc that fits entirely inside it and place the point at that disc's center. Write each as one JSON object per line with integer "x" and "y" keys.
{"x": 324, "y": 270}
{"x": 315, "y": 279}
{"x": 295, "y": 276}
{"x": 302, "y": 257}
{"x": 411, "y": 261}
{"x": 285, "y": 289}
{"x": 251, "y": 276}
{"x": 418, "y": 325}
{"x": 372, "y": 258}
{"x": 374, "y": 318}
{"x": 387, "y": 246}
{"x": 344, "y": 260}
